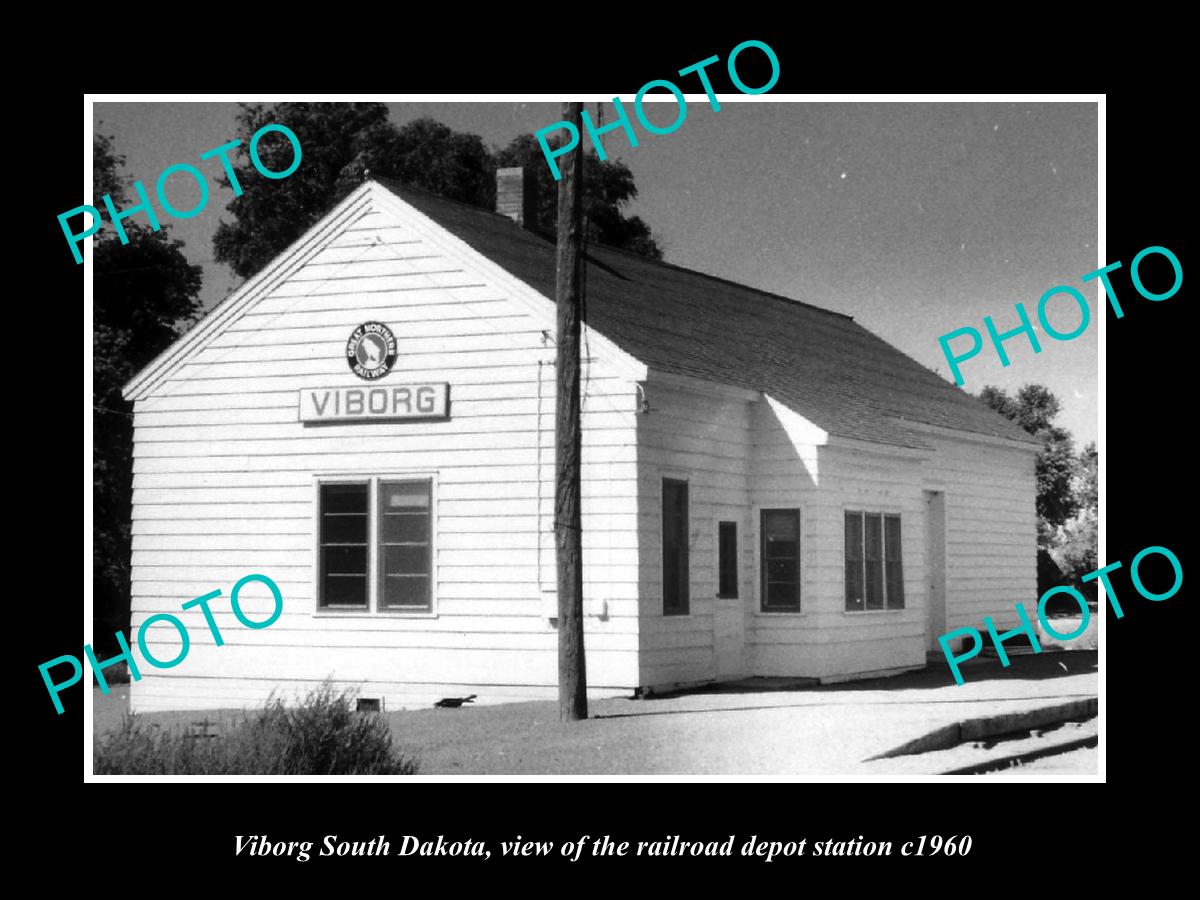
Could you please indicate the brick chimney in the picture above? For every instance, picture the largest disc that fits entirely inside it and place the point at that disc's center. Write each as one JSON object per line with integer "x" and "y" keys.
{"x": 515, "y": 195}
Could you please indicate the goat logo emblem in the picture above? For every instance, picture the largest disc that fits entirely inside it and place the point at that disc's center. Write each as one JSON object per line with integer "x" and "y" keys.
{"x": 371, "y": 351}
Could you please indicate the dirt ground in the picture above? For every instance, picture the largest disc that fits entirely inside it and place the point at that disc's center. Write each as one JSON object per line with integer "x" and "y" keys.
{"x": 806, "y": 732}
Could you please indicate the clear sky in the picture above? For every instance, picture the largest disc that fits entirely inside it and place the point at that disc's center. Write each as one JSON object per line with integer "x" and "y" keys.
{"x": 916, "y": 219}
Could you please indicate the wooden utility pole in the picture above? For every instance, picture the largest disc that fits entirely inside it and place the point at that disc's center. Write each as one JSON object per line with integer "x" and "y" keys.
{"x": 568, "y": 531}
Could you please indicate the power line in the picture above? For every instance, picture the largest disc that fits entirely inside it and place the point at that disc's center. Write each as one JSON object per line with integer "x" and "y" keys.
{"x": 96, "y": 407}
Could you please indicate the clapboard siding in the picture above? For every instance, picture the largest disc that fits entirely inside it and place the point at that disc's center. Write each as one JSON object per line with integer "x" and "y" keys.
{"x": 793, "y": 469}
{"x": 224, "y": 486}
{"x": 991, "y": 529}
{"x": 707, "y": 441}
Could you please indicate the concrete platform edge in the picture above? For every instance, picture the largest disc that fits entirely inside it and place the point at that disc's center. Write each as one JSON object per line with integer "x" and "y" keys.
{"x": 989, "y": 726}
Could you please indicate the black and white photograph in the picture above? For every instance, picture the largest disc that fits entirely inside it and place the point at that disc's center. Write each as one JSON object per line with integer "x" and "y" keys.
{"x": 529, "y": 437}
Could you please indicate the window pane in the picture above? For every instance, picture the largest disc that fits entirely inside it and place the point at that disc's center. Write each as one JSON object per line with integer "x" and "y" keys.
{"x": 344, "y": 560}
{"x": 344, "y": 528}
{"x": 405, "y": 564}
{"x": 405, "y": 495}
{"x": 406, "y": 590}
{"x": 782, "y": 524}
{"x": 892, "y": 537}
{"x": 404, "y": 528}
{"x": 781, "y": 549}
{"x": 781, "y": 596}
{"x": 854, "y": 537}
{"x": 727, "y": 559}
{"x": 781, "y": 570}
{"x": 854, "y": 586}
{"x": 344, "y": 498}
{"x": 675, "y": 547}
{"x": 404, "y": 559}
{"x": 893, "y": 564}
{"x": 874, "y": 563}
{"x": 344, "y": 590}
{"x": 874, "y": 537}
{"x": 671, "y": 580}
{"x": 781, "y": 559}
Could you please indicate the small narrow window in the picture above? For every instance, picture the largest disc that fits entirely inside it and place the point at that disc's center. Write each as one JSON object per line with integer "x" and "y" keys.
{"x": 404, "y": 557}
{"x": 781, "y": 560}
{"x": 727, "y": 568}
{"x": 344, "y": 517}
{"x": 854, "y": 562}
{"x": 675, "y": 547}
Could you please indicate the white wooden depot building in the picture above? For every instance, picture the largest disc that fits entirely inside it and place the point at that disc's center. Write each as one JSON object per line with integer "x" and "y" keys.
{"x": 768, "y": 488}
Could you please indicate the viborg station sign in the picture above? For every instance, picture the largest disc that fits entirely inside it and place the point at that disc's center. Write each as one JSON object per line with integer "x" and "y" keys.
{"x": 400, "y": 401}
{"x": 371, "y": 353}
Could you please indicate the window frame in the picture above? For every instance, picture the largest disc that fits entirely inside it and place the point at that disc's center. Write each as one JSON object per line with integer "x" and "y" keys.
{"x": 760, "y": 542}
{"x": 686, "y": 585}
{"x": 374, "y": 609}
{"x": 381, "y": 554}
{"x": 884, "y": 513}
{"x": 319, "y": 580}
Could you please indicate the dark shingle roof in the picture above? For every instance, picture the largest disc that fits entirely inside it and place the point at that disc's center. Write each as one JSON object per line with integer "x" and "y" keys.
{"x": 822, "y": 364}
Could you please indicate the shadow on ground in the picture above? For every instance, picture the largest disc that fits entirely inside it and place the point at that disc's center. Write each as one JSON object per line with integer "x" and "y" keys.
{"x": 936, "y": 675}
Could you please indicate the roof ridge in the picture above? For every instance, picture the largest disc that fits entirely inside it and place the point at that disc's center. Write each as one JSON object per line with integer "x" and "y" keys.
{"x": 388, "y": 182}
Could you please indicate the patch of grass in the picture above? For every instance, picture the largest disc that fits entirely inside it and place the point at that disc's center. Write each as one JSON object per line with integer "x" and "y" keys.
{"x": 324, "y": 735}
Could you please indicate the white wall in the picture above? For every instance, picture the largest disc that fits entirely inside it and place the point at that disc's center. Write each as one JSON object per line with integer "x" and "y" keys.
{"x": 823, "y": 479}
{"x": 991, "y": 529}
{"x": 223, "y": 486}
{"x": 740, "y": 457}
{"x": 706, "y": 440}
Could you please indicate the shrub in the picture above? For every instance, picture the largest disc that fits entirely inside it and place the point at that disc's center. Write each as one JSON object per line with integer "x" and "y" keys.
{"x": 324, "y": 735}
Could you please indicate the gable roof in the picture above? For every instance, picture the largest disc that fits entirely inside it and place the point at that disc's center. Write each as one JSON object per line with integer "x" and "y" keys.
{"x": 822, "y": 364}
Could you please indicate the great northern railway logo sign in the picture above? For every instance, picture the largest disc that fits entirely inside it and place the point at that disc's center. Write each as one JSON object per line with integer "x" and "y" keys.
{"x": 371, "y": 351}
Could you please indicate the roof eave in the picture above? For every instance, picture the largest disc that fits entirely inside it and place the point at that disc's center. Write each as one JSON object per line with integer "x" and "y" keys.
{"x": 1029, "y": 444}
{"x": 212, "y": 322}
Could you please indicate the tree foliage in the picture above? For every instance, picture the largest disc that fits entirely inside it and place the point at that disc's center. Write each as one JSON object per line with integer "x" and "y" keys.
{"x": 343, "y": 143}
{"x": 143, "y": 292}
{"x": 1034, "y": 407}
{"x": 1067, "y": 494}
{"x": 1076, "y": 549}
{"x": 607, "y": 187}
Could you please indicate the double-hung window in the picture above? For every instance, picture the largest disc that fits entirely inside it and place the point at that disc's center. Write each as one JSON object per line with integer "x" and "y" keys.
{"x": 374, "y": 545}
{"x": 874, "y": 567}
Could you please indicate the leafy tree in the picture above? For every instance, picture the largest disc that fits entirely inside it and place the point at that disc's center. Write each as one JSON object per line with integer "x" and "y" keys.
{"x": 331, "y": 137}
{"x": 1034, "y": 408}
{"x": 429, "y": 155}
{"x": 344, "y": 142}
{"x": 1077, "y": 547}
{"x": 607, "y": 187}
{"x": 143, "y": 292}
